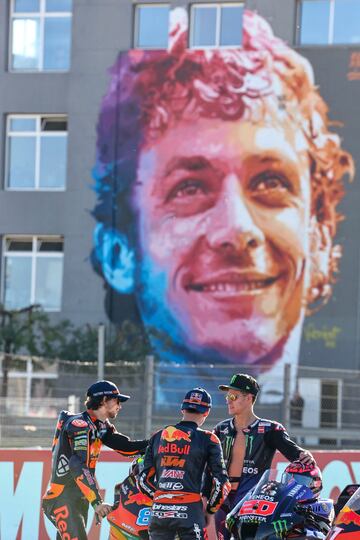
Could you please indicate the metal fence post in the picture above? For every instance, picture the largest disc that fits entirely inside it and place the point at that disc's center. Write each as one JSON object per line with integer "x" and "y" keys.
{"x": 148, "y": 390}
{"x": 29, "y": 372}
{"x": 101, "y": 351}
{"x": 339, "y": 406}
{"x": 286, "y": 401}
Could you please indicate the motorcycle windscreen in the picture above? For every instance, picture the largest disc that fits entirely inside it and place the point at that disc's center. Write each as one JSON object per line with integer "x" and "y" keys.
{"x": 348, "y": 520}
{"x": 345, "y": 496}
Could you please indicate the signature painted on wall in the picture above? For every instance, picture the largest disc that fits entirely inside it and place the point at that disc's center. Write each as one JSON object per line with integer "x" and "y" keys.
{"x": 354, "y": 66}
{"x": 327, "y": 334}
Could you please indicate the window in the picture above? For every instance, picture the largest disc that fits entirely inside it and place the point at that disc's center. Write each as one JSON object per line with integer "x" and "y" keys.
{"x": 40, "y": 35}
{"x": 216, "y": 25}
{"x": 325, "y": 22}
{"x": 36, "y": 152}
{"x": 32, "y": 269}
{"x": 152, "y": 26}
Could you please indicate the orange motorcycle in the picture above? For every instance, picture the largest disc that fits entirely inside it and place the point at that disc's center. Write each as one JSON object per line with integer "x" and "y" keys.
{"x": 130, "y": 518}
{"x": 346, "y": 525}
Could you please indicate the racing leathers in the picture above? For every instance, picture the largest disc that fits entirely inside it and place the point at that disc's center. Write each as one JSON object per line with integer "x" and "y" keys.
{"x": 172, "y": 476}
{"x": 75, "y": 450}
{"x": 262, "y": 438}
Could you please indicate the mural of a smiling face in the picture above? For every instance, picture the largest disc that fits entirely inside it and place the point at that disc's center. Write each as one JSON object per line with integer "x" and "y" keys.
{"x": 218, "y": 182}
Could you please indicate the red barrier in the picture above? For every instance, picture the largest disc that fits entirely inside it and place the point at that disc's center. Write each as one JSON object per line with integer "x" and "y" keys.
{"x": 24, "y": 475}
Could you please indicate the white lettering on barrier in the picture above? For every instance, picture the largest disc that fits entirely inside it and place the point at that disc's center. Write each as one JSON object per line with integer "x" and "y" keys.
{"x": 335, "y": 474}
{"x": 355, "y": 465}
{"x": 21, "y": 504}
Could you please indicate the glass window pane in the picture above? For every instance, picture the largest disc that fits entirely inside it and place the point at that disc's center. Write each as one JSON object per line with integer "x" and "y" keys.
{"x": 26, "y": 6}
{"x": 17, "y": 292}
{"x": 22, "y": 124}
{"x": 21, "y": 162}
{"x": 49, "y": 123}
{"x": 347, "y": 21}
{"x": 25, "y": 44}
{"x": 231, "y": 25}
{"x": 46, "y": 244}
{"x": 48, "y": 282}
{"x": 315, "y": 22}
{"x": 204, "y": 31}
{"x": 58, "y": 5}
{"x": 53, "y": 162}
{"x": 57, "y": 43}
{"x": 18, "y": 244}
{"x": 153, "y": 27}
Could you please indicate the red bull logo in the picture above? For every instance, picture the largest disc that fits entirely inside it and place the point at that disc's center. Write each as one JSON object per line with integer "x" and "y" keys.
{"x": 171, "y": 434}
{"x": 138, "y": 498}
{"x": 172, "y": 448}
{"x": 348, "y": 516}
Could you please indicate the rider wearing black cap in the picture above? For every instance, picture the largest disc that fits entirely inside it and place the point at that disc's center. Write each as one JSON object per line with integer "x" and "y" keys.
{"x": 249, "y": 444}
{"x": 76, "y": 448}
{"x": 173, "y": 468}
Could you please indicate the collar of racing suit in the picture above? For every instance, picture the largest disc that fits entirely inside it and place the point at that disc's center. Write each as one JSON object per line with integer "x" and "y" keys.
{"x": 248, "y": 428}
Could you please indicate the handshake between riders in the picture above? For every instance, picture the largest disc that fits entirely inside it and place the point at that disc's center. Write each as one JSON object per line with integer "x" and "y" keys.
{"x": 189, "y": 473}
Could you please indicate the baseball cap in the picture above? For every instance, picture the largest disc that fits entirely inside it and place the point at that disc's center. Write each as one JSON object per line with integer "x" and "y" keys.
{"x": 105, "y": 388}
{"x": 242, "y": 382}
{"x": 197, "y": 399}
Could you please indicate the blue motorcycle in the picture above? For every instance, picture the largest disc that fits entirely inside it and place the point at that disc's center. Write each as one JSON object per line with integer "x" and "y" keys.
{"x": 283, "y": 506}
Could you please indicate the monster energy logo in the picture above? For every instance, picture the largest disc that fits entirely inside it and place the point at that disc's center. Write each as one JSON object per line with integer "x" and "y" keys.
{"x": 280, "y": 527}
{"x": 228, "y": 445}
{"x": 249, "y": 442}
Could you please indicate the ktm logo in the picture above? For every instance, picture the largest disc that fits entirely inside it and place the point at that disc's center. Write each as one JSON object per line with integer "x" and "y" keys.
{"x": 172, "y": 461}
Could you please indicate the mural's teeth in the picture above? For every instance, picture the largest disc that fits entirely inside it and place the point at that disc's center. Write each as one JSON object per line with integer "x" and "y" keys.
{"x": 233, "y": 287}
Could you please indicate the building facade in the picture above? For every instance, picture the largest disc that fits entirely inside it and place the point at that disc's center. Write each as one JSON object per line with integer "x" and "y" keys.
{"x": 54, "y": 75}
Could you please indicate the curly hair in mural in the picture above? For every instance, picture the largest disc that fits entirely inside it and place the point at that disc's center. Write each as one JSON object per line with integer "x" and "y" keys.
{"x": 218, "y": 180}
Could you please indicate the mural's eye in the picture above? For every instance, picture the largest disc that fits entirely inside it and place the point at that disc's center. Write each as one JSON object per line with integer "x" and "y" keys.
{"x": 187, "y": 188}
{"x": 270, "y": 182}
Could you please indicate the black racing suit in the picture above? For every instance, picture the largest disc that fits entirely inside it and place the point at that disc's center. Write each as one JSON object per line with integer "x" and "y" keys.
{"x": 262, "y": 438}
{"x": 75, "y": 451}
{"x": 173, "y": 469}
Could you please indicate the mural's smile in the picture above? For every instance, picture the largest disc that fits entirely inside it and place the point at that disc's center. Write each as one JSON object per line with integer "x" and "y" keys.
{"x": 228, "y": 284}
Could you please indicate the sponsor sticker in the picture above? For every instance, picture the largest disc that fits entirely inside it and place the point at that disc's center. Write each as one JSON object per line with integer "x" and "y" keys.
{"x": 79, "y": 423}
{"x": 177, "y": 486}
{"x": 62, "y": 467}
{"x": 171, "y": 434}
{"x": 173, "y": 473}
{"x": 258, "y": 507}
{"x": 280, "y": 528}
{"x": 172, "y": 461}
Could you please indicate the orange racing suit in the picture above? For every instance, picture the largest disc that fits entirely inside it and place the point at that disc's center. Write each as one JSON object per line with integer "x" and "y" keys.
{"x": 76, "y": 448}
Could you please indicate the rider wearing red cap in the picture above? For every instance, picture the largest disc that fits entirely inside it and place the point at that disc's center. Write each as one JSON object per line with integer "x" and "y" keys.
{"x": 76, "y": 448}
